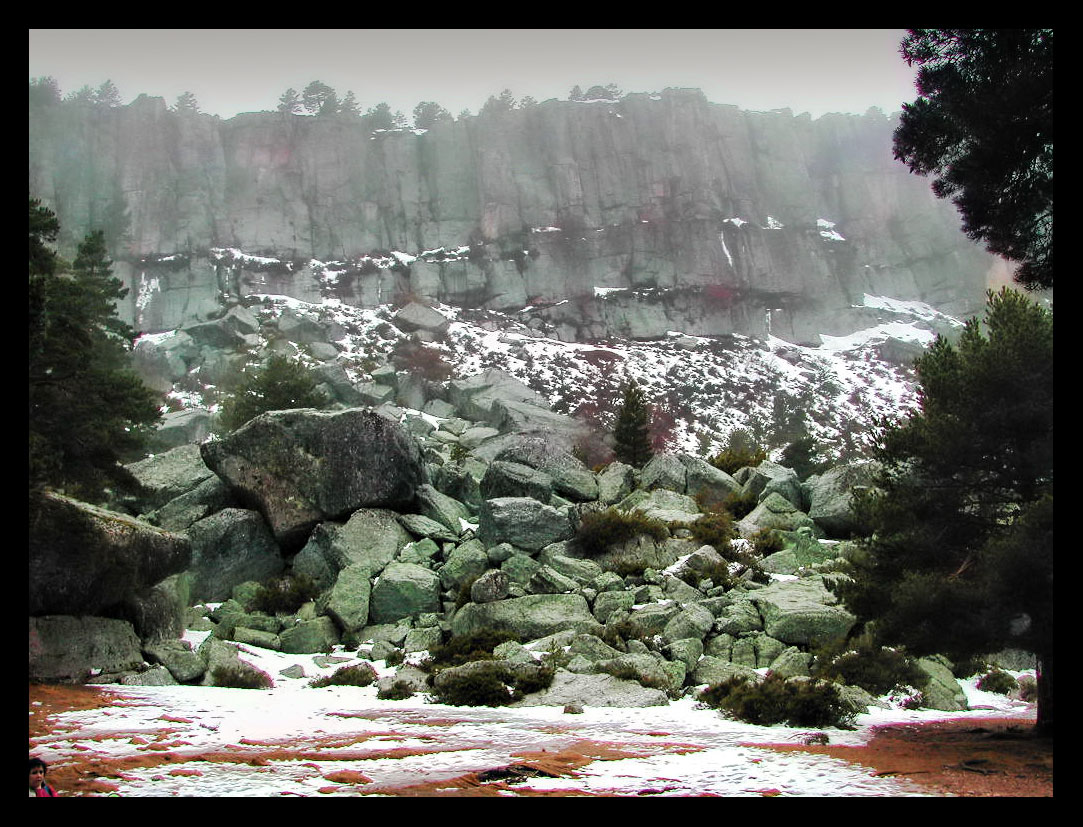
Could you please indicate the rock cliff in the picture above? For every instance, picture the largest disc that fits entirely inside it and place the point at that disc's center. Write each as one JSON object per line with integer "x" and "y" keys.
{"x": 631, "y": 217}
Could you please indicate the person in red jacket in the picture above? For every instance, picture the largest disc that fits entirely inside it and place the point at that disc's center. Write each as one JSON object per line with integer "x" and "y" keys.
{"x": 38, "y": 787}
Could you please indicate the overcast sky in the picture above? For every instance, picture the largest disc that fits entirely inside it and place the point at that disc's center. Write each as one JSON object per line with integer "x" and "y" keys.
{"x": 245, "y": 70}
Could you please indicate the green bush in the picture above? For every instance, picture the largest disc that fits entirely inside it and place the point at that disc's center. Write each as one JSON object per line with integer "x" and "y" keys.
{"x": 778, "y": 700}
{"x": 998, "y": 681}
{"x": 767, "y": 541}
{"x": 398, "y": 691}
{"x": 740, "y": 505}
{"x": 875, "y": 669}
{"x": 236, "y": 676}
{"x": 466, "y": 648}
{"x": 280, "y": 384}
{"x": 494, "y": 684}
{"x": 740, "y": 451}
{"x": 360, "y": 674}
{"x": 601, "y": 530}
{"x": 714, "y": 528}
{"x": 285, "y": 594}
{"x": 718, "y": 573}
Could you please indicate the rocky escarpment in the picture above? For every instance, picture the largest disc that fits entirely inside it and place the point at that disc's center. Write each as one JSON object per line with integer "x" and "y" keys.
{"x": 630, "y": 217}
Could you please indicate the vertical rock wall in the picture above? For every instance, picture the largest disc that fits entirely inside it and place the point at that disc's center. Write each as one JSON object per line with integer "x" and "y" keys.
{"x": 695, "y": 216}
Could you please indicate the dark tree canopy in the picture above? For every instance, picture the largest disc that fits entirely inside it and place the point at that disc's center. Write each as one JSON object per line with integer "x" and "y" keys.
{"x": 631, "y": 431}
{"x": 983, "y": 127}
{"x": 427, "y": 114}
{"x": 280, "y": 384}
{"x": 88, "y": 410}
{"x": 959, "y": 554}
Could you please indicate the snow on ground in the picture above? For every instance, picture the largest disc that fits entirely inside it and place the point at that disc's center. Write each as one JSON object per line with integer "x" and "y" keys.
{"x": 711, "y": 385}
{"x": 296, "y": 740}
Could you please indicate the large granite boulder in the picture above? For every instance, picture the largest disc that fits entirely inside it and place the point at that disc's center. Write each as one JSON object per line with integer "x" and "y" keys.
{"x": 569, "y": 476}
{"x": 372, "y": 538}
{"x": 404, "y": 590}
{"x": 164, "y": 477}
{"x": 348, "y": 600}
{"x": 802, "y": 612}
{"x": 474, "y": 396}
{"x": 420, "y": 318}
{"x": 831, "y": 497}
{"x": 597, "y": 690}
{"x": 775, "y": 511}
{"x": 703, "y": 480}
{"x": 66, "y": 649}
{"x": 230, "y": 548}
{"x": 301, "y": 467}
{"x": 530, "y": 617}
{"x": 523, "y": 522}
{"x": 768, "y": 477}
{"x": 84, "y": 559}
{"x": 943, "y": 690}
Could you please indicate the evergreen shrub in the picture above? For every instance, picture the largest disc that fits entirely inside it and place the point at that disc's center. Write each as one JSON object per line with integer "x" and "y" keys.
{"x": 360, "y": 674}
{"x": 462, "y": 649}
{"x": 601, "y": 530}
{"x": 767, "y": 541}
{"x": 875, "y": 669}
{"x": 778, "y": 700}
{"x": 494, "y": 684}
{"x": 285, "y": 594}
{"x": 235, "y": 676}
{"x": 998, "y": 681}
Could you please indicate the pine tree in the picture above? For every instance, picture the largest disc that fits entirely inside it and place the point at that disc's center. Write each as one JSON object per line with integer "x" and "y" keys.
{"x": 88, "y": 410}
{"x": 278, "y": 385}
{"x": 958, "y": 557}
{"x": 380, "y": 117}
{"x": 315, "y": 95}
{"x": 631, "y": 430}
{"x": 107, "y": 95}
{"x": 290, "y": 103}
{"x": 186, "y": 104}
{"x": 349, "y": 106}
{"x": 983, "y": 126}
{"x": 427, "y": 114}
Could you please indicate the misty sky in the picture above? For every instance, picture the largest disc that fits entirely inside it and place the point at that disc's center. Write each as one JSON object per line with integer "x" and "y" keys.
{"x": 245, "y": 70}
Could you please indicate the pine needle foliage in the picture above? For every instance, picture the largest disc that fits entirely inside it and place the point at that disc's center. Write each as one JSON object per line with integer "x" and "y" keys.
{"x": 958, "y": 553}
{"x": 279, "y": 385}
{"x": 89, "y": 412}
{"x": 631, "y": 432}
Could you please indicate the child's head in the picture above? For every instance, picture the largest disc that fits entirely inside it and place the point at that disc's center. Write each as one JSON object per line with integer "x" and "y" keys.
{"x": 38, "y": 768}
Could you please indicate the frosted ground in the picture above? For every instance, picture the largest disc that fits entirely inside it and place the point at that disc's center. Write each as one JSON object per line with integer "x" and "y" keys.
{"x": 297, "y": 740}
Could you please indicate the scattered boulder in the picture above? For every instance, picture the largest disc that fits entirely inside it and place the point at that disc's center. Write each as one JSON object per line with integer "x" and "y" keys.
{"x": 229, "y": 548}
{"x": 597, "y": 690}
{"x": 943, "y": 690}
{"x": 775, "y": 511}
{"x": 404, "y": 590}
{"x": 301, "y": 467}
{"x": 802, "y": 612}
{"x": 529, "y": 617}
{"x": 84, "y": 559}
{"x": 492, "y": 585}
{"x": 523, "y": 522}
{"x": 67, "y": 649}
{"x": 831, "y": 497}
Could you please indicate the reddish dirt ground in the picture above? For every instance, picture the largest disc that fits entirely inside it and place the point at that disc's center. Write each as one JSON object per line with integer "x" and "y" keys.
{"x": 998, "y": 757}
{"x": 972, "y": 758}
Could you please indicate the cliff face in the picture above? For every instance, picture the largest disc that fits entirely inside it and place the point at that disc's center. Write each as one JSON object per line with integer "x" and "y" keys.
{"x": 652, "y": 213}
